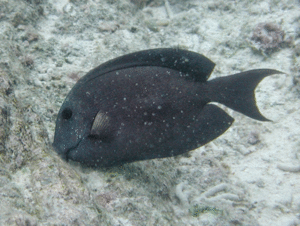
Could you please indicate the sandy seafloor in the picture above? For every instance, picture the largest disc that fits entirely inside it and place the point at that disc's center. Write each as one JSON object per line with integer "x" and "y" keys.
{"x": 247, "y": 176}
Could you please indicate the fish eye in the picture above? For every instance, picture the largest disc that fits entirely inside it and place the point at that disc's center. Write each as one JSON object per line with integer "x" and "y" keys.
{"x": 66, "y": 113}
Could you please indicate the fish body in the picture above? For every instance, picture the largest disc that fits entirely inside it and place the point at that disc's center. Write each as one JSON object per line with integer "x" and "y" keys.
{"x": 150, "y": 104}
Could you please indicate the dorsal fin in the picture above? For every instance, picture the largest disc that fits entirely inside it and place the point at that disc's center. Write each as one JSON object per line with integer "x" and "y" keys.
{"x": 197, "y": 66}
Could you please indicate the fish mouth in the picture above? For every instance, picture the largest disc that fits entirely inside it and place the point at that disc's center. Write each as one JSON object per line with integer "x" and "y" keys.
{"x": 67, "y": 153}
{"x": 64, "y": 153}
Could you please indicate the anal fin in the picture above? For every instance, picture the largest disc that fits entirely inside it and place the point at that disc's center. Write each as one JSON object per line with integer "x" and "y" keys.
{"x": 212, "y": 123}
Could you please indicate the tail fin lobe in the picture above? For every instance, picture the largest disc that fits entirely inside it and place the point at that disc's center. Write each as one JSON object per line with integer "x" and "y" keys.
{"x": 237, "y": 91}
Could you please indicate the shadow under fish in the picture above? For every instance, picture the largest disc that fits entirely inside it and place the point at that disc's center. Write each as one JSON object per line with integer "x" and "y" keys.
{"x": 150, "y": 104}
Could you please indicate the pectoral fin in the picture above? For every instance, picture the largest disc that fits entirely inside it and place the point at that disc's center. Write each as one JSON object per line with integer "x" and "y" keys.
{"x": 101, "y": 127}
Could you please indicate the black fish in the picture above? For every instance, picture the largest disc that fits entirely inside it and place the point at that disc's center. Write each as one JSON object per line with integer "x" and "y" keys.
{"x": 150, "y": 104}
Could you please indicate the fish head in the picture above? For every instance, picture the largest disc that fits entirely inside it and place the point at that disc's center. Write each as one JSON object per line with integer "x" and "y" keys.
{"x": 71, "y": 126}
{"x": 84, "y": 132}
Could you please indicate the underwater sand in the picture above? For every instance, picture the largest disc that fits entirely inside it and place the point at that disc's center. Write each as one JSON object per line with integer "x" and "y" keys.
{"x": 248, "y": 176}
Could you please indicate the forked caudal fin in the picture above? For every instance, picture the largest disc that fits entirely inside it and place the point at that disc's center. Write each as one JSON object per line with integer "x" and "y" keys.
{"x": 237, "y": 91}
